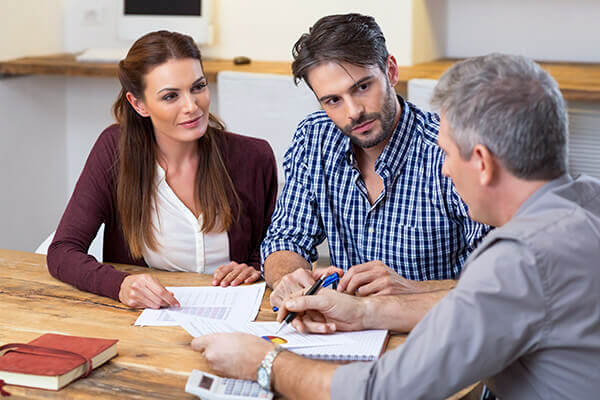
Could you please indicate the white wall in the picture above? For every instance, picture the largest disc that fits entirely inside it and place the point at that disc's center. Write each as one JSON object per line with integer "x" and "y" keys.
{"x": 552, "y": 30}
{"x": 32, "y": 159}
{"x": 32, "y": 139}
{"x": 88, "y": 103}
{"x": 262, "y": 30}
{"x": 30, "y": 27}
{"x": 269, "y": 28}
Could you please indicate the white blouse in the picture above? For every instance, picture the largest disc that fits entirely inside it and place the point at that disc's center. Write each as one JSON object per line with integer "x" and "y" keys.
{"x": 181, "y": 244}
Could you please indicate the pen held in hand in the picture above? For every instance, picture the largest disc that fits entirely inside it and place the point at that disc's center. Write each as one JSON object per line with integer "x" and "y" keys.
{"x": 322, "y": 282}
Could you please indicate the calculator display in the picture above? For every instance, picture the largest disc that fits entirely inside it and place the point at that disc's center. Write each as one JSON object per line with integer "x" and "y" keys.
{"x": 206, "y": 382}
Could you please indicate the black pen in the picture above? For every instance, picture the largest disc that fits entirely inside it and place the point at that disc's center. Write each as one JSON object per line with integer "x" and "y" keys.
{"x": 290, "y": 317}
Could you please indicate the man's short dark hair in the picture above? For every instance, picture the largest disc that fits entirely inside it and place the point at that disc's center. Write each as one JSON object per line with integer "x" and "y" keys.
{"x": 352, "y": 38}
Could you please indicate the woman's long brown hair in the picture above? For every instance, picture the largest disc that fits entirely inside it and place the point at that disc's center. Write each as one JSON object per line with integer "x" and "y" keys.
{"x": 215, "y": 194}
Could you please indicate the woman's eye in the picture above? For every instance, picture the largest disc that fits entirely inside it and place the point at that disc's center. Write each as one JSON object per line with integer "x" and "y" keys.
{"x": 199, "y": 86}
{"x": 169, "y": 96}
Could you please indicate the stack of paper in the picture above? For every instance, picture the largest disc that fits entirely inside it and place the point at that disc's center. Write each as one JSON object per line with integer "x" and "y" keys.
{"x": 207, "y": 310}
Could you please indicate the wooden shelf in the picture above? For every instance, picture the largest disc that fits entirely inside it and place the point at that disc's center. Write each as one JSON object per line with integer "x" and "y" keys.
{"x": 577, "y": 81}
{"x": 66, "y": 64}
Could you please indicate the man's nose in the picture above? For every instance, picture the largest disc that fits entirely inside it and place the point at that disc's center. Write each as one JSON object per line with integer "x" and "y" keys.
{"x": 355, "y": 110}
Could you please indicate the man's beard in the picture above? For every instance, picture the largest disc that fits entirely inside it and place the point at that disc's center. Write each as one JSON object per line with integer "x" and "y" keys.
{"x": 386, "y": 118}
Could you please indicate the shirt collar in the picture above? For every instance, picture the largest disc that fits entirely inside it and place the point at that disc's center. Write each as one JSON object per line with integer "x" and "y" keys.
{"x": 562, "y": 180}
{"x": 393, "y": 155}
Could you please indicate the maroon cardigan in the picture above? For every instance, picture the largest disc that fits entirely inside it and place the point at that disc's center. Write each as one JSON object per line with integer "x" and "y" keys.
{"x": 251, "y": 166}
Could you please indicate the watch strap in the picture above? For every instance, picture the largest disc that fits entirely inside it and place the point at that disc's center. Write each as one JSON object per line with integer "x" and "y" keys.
{"x": 267, "y": 362}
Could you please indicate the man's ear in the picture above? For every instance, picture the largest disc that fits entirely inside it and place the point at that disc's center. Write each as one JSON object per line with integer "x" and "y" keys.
{"x": 485, "y": 163}
{"x": 392, "y": 70}
{"x": 137, "y": 104}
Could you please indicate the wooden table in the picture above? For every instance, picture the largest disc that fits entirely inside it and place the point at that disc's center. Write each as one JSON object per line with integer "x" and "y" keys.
{"x": 153, "y": 362}
{"x": 577, "y": 81}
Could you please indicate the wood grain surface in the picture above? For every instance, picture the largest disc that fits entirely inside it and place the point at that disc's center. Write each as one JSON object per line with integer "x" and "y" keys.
{"x": 152, "y": 362}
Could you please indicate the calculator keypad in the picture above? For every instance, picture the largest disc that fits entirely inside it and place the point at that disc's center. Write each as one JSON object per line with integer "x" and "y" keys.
{"x": 238, "y": 387}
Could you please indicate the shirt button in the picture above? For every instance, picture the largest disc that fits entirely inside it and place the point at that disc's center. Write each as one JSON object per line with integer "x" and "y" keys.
{"x": 371, "y": 230}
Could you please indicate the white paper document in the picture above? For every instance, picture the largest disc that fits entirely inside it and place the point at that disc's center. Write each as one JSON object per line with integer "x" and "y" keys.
{"x": 368, "y": 345}
{"x": 234, "y": 304}
{"x": 288, "y": 337}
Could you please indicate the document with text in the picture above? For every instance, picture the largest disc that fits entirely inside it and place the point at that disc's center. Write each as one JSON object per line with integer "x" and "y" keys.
{"x": 287, "y": 337}
{"x": 235, "y": 304}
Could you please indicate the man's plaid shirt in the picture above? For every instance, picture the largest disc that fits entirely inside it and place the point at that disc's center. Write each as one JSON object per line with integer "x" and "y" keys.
{"x": 418, "y": 226}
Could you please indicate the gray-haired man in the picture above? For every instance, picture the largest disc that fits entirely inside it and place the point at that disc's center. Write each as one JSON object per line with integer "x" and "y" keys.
{"x": 525, "y": 314}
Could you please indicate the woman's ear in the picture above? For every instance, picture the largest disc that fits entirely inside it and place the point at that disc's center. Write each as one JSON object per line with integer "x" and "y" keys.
{"x": 138, "y": 105}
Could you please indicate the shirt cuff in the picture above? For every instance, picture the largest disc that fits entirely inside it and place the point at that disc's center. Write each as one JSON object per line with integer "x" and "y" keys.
{"x": 112, "y": 285}
{"x": 350, "y": 381}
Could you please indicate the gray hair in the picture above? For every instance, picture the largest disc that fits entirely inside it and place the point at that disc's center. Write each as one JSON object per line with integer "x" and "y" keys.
{"x": 510, "y": 105}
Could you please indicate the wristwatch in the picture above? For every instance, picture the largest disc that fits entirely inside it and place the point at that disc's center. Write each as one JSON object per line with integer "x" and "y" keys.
{"x": 264, "y": 369}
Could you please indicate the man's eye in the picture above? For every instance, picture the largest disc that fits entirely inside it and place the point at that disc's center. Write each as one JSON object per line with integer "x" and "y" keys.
{"x": 332, "y": 101}
{"x": 362, "y": 87}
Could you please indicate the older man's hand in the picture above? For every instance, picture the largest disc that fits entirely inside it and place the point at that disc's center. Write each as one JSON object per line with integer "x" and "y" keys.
{"x": 326, "y": 312}
{"x": 235, "y": 355}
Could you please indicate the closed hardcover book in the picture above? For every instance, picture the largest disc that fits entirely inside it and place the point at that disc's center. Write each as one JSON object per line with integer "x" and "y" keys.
{"x": 53, "y": 371}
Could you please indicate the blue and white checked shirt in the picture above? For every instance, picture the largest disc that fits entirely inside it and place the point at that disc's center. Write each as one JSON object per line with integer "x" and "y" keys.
{"x": 418, "y": 226}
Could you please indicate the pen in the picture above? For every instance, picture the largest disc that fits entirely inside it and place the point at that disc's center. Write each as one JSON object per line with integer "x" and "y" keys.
{"x": 332, "y": 280}
{"x": 322, "y": 282}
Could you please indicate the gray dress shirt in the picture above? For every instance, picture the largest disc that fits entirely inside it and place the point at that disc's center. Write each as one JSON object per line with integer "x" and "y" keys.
{"x": 524, "y": 317}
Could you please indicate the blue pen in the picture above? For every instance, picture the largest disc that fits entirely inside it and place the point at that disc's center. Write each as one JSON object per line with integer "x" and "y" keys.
{"x": 322, "y": 282}
{"x": 332, "y": 279}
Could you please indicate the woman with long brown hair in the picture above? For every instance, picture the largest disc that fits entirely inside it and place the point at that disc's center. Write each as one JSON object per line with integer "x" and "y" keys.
{"x": 174, "y": 190}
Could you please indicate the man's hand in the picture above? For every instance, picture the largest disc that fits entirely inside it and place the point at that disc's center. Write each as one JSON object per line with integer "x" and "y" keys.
{"x": 326, "y": 312}
{"x": 291, "y": 283}
{"x": 234, "y": 274}
{"x": 236, "y": 355}
{"x": 145, "y": 291}
{"x": 376, "y": 278}
{"x": 298, "y": 281}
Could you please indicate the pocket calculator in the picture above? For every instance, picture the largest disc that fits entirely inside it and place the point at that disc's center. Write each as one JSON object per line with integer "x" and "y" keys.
{"x": 211, "y": 387}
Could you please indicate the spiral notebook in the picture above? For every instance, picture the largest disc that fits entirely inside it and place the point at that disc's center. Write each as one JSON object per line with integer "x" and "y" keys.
{"x": 367, "y": 346}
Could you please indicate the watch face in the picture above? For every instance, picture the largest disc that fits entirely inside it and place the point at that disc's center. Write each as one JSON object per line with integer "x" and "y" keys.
{"x": 263, "y": 378}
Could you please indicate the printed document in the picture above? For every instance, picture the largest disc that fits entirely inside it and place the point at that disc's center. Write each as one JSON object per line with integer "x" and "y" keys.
{"x": 234, "y": 304}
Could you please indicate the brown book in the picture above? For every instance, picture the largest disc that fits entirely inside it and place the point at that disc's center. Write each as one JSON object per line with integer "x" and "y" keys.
{"x": 51, "y": 364}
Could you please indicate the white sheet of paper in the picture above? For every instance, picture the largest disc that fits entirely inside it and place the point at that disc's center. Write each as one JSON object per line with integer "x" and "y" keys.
{"x": 237, "y": 304}
{"x": 367, "y": 345}
{"x": 291, "y": 337}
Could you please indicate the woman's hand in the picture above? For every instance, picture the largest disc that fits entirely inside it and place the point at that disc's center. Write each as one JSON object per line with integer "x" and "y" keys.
{"x": 145, "y": 291}
{"x": 234, "y": 274}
